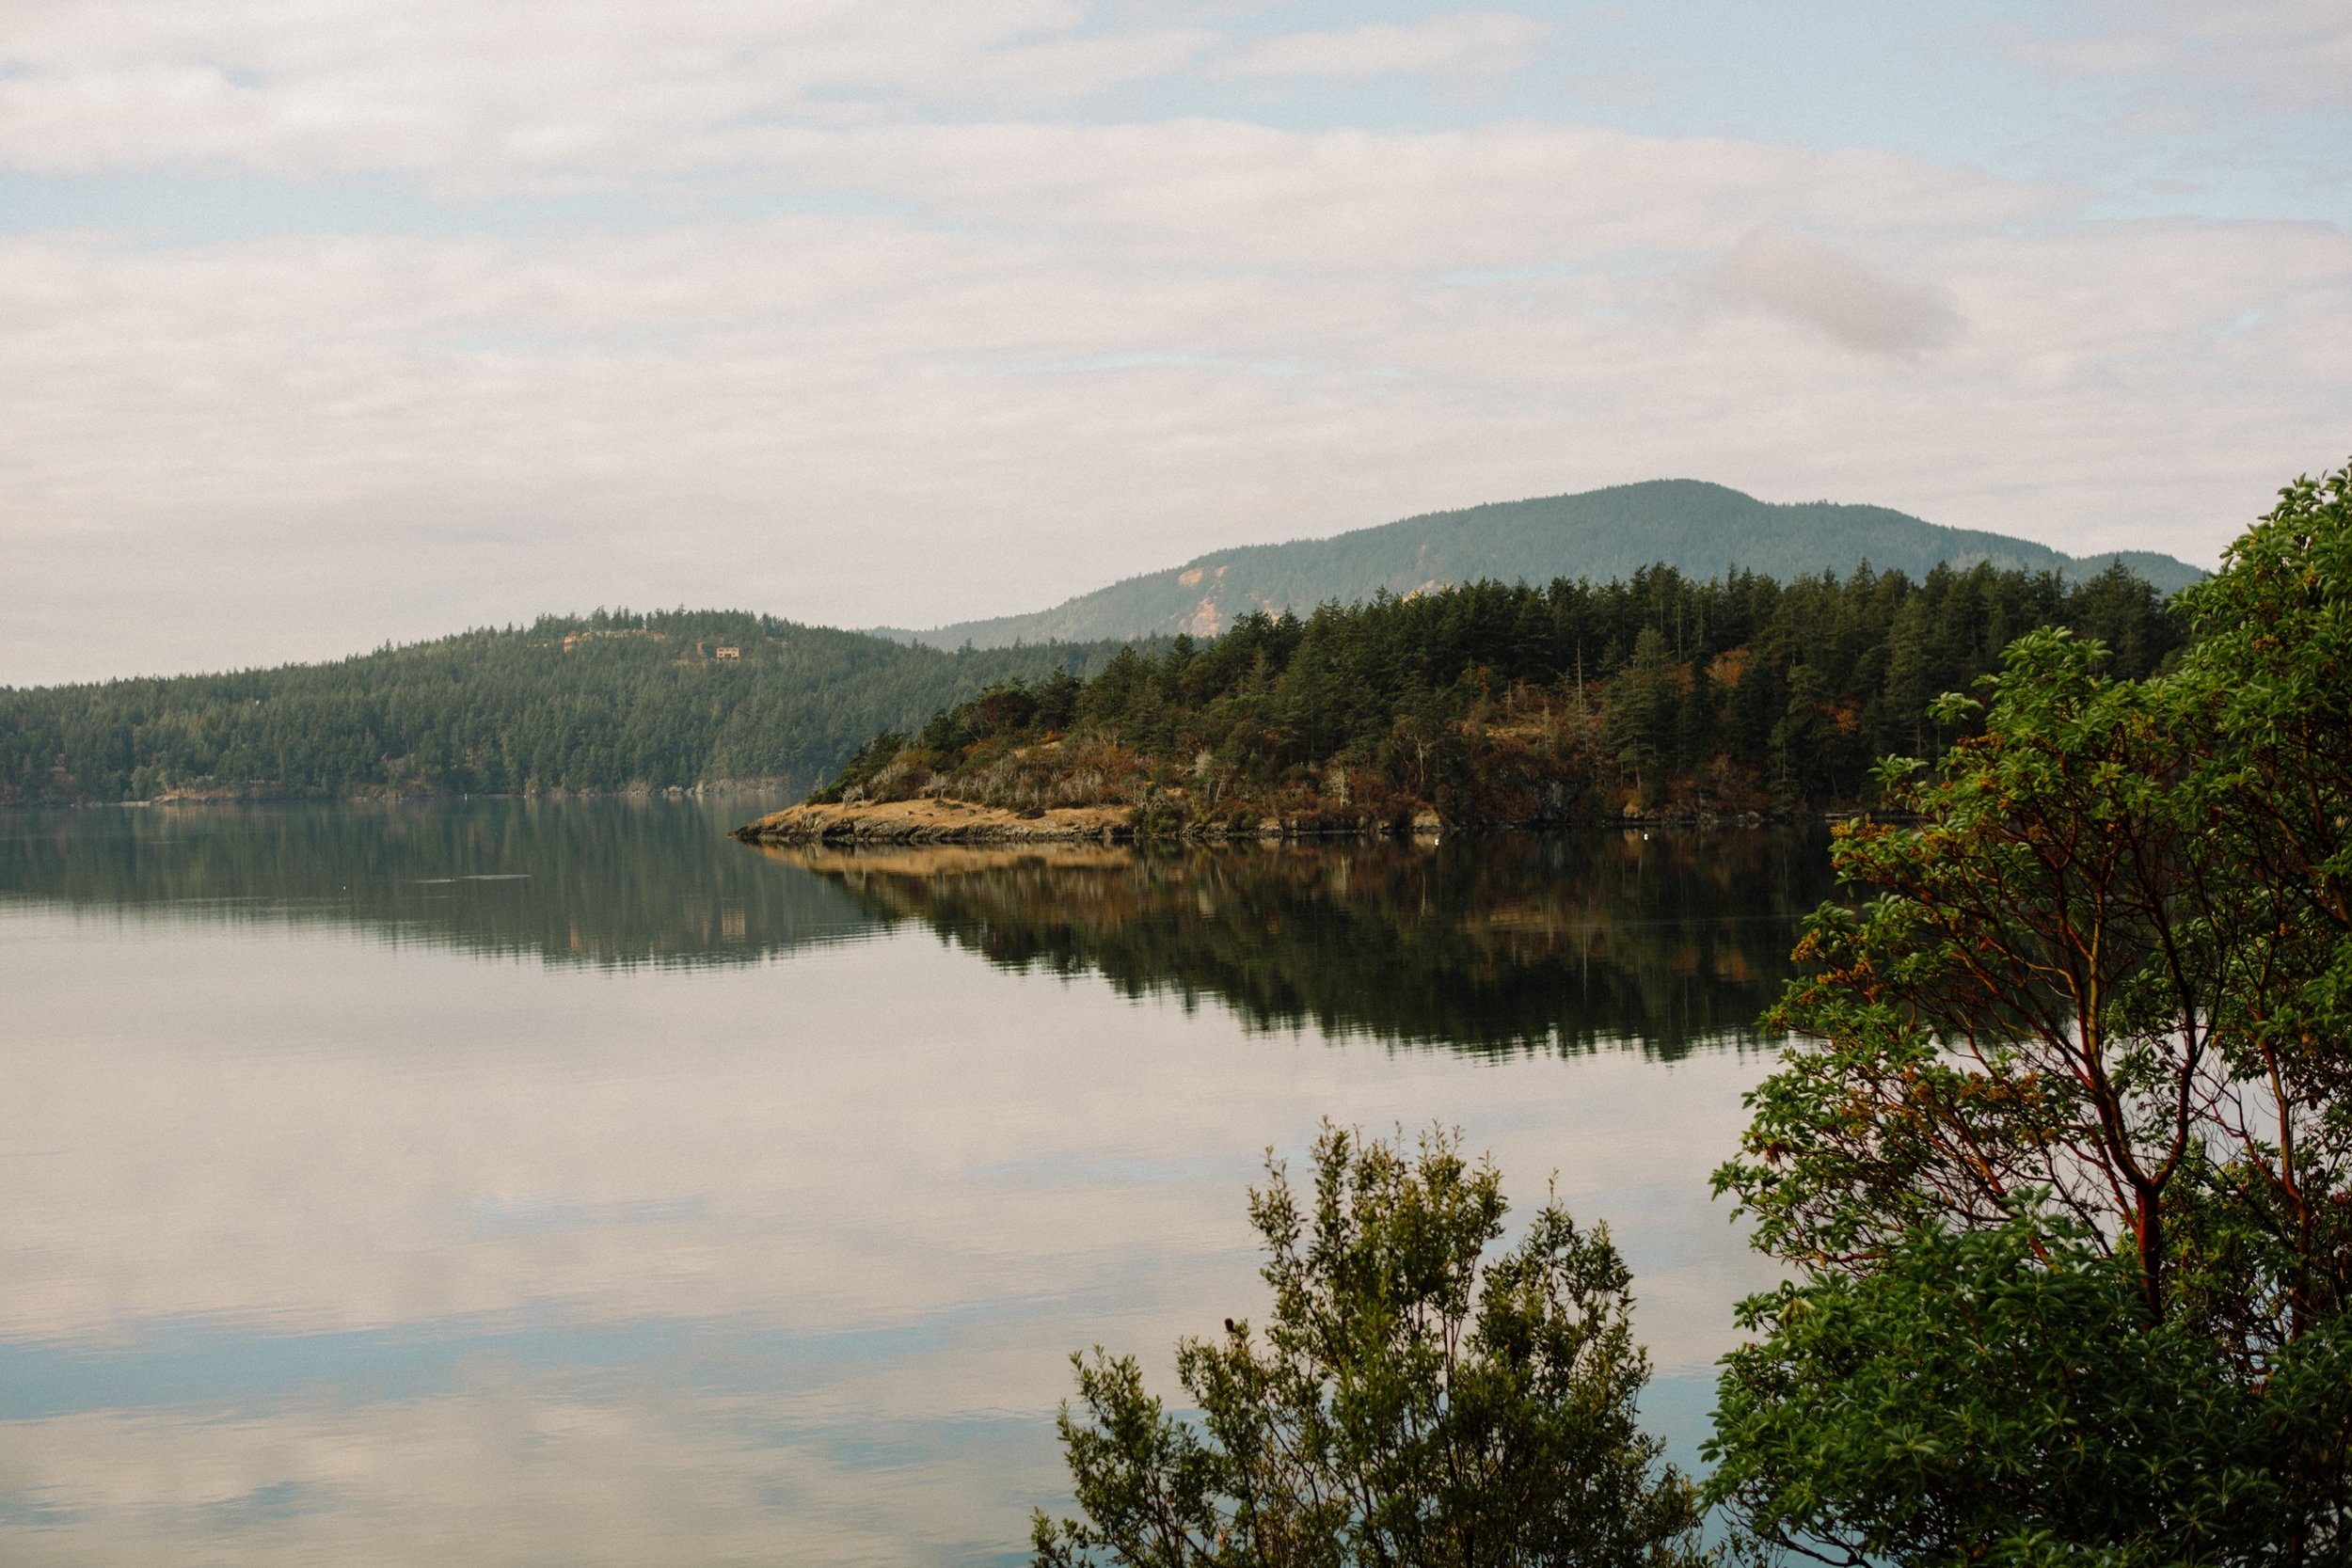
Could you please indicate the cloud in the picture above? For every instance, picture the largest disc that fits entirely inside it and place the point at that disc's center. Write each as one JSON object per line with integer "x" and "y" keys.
{"x": 1824, "y": 288}
{"x": 517, "y": 1465}
{"x": 1457, "y": 44}
{"x": 657, "y": 1280}
{"x": 1210, "y": 192}
{"x": 866, "y": 323}
{"x": 2281, "y": 53}
{"x": 483, "y": 98}
{"x": 302, "y": 444}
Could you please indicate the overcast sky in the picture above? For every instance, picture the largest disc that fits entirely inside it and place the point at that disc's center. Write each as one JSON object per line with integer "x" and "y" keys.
{"x": 327, "y": 322}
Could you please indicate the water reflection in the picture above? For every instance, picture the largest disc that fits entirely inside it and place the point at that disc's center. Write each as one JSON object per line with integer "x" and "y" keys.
{"x": 1504, "y": 944}
{"x": 1491, "y": 944}
{"x": 613, "y": 883}
{"x": 325, "y": 1240}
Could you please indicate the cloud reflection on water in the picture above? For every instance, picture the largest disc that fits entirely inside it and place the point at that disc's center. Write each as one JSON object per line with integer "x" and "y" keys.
{"x": 322, "y": 1249}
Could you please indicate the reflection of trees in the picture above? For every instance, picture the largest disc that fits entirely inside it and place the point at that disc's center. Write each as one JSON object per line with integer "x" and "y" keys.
{"x": 1492, "y": 944}
{"x": 611, "y": 882}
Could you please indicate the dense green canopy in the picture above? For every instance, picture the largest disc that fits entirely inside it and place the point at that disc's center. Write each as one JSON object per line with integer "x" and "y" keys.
{"x": 2062, "y": 1152}
{"x": 1416, "y": 1395}
{"x": 1499, "y": 703}
{"x": 605, "y": 701}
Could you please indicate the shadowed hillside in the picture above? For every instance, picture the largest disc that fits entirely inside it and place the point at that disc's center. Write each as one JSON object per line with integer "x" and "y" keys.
{"x": 609, "y": 701}
{"x": 1699, "y": 529}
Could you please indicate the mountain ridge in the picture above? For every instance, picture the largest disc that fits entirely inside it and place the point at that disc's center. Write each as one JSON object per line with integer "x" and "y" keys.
{"x": 1697, "y": 527}
{"x": 612, "y": 702}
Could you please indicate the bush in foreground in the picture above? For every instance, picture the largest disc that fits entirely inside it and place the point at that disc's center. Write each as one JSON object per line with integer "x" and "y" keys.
{"x": 1404, "y": 1405}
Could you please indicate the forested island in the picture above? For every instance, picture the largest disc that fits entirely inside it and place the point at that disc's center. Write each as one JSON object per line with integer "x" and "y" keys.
{"x": 2056, "y": 1163}
{"x": 1659, "y": 697}
{"x": 605, "y": 703}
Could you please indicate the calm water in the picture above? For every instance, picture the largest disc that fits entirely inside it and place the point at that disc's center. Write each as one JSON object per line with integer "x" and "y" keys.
{"x": 566, "y": 1183}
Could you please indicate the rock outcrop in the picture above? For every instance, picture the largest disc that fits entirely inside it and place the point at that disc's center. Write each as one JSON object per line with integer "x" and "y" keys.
{"x": 930, "y": 821}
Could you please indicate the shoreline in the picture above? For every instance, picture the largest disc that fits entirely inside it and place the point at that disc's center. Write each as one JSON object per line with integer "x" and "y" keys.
{"x": 714, "y": 790}
{"x": 932, "y": 820}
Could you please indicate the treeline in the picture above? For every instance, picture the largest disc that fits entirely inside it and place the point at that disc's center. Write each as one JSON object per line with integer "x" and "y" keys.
{"x": 1661, "y": 695}
{"x": 607, "y": 702}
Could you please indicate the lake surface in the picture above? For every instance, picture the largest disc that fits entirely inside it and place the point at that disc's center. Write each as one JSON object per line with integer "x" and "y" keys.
{"x": 503, "y": 1183}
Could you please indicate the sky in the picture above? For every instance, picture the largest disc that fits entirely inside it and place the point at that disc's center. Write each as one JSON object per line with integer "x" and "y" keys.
{"x": 328, "y": 323}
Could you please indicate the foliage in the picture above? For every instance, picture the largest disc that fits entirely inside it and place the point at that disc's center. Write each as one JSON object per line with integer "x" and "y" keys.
{"x": 1488, "y": 702}
{"x": 606, "y": 702}
{"x": 2097, "y": 999}
{"x": 2027, "y": 1003}
{"x": 1998, "y": 1396}
{"x": 1406, "y": 1404}
{"x": 1483, "y": 702}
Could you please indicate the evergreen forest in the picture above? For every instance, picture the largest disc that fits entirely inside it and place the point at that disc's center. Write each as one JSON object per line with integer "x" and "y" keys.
{"x": 608, "y": 702}
{"x": 1657, "y": 695}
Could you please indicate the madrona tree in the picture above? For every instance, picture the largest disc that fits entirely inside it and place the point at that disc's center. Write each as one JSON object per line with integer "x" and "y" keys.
{"x": 2062, "y": 1149}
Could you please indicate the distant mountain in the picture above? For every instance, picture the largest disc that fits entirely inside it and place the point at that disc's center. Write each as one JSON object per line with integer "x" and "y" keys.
{"x": 1697, "y": 527}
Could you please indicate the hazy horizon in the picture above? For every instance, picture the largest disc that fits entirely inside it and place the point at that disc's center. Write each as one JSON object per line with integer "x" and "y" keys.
{"x": 332, "y": 324}
{"x": 882, "y": 628}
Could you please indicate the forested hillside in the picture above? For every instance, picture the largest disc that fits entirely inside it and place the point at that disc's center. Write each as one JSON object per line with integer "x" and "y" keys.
{"x": 1693, "y": 526}
{"x": 1655, "y": 695}
{"x": 607, "y": 702}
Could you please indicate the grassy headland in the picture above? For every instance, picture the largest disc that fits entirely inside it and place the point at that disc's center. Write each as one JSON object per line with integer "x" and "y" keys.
{"x": 1659, "y": 696}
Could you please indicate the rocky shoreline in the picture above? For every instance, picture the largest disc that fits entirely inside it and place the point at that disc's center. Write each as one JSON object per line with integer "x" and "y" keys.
{"x": 373, "y": 794}
{"x": 934, "y": 820}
